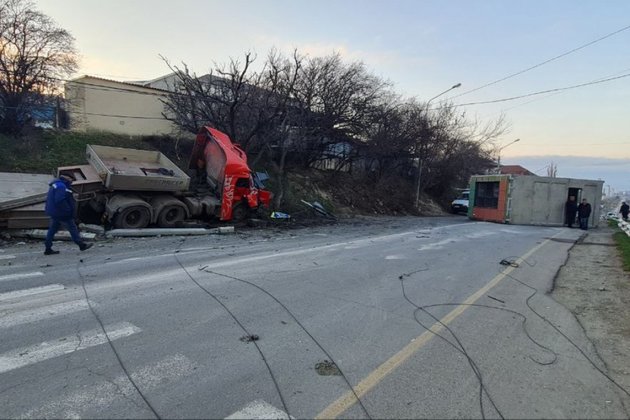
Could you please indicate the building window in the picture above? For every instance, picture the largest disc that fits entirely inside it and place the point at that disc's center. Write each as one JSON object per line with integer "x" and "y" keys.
{"x": 487, "y": 195}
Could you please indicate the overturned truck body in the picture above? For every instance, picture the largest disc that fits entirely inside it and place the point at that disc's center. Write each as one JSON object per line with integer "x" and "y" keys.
{"x": 530, "y": 200}
{"x": 132, "y": 189}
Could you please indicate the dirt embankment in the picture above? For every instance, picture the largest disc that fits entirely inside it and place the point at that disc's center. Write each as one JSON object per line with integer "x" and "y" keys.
{"x": 593, "y": 286}
{"x": 349, "y": 195}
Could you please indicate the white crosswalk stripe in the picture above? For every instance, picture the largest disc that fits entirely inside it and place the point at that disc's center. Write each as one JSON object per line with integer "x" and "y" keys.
{"x": 45, "y": 309}
{"x": 25, "y": 356}
{"x": 17, "y": 276}
{"x": 39, "y": 314}
{"x": 259, "y": 409}
{"x": 32, "y": 291}
{"x": 102, "y": 395}
{"x": 7, "y": 257}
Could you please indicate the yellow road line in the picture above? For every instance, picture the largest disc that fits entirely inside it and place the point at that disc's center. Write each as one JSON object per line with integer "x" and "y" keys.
{"x": 347, "y": 400}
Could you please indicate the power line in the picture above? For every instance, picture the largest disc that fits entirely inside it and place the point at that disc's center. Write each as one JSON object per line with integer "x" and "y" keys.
{"x": 544, "y": 62}
{"x": 557, "y": 93}
{"x": 540, "y": 92}
{"x": 574, "y": 145}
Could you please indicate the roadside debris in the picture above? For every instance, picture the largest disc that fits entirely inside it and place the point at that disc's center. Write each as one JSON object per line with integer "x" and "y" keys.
{"x": 168, "y": 231}
{"x": 493, "y": 298}
{"x": 509, "y": 263}
{"x": 19, "y": 190}
{"x": 279, "y": 215}
{"x": 327, "y": 368}
{"x": 249, "y": 338}
{"x": 41, "y": 234}
{"x": 99, "y": 230}
{"x": 319, "y": 209}
{"x": 22, "y": 199}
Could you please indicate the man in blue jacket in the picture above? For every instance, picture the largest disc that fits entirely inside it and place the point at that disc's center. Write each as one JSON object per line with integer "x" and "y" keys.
{"x": 60, "y": 206}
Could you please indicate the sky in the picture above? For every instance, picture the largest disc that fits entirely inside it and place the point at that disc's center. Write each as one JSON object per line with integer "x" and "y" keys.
{"x": 422, "y": 46}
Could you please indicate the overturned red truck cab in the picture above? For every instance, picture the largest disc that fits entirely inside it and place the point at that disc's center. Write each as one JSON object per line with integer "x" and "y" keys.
{"x": 227, "y": 173}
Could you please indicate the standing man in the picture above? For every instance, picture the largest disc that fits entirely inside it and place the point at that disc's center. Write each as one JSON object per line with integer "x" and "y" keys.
{"x": 570, "y": 211}
{"x": 624, "y": 210}
{"x": 584, "y": 212}
{"x": 60, "y": 206}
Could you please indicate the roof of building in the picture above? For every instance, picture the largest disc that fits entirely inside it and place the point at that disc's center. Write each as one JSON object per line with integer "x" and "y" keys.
{"x": 515, "y": 170}
{"x": 130, "y": 84}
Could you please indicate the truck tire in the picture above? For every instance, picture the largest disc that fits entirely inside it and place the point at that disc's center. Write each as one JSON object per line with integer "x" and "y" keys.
{"x": 240, "y": 212}
{"x": 134, "y": 217}
{"x": 171, "y": 216}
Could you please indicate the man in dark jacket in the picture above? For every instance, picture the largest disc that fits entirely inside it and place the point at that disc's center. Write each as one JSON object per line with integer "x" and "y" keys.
{"x": 60, "y": 207}
{"x": 584, "y": 212}
{"x": 624, "y": 210}
{"x": 570, "y": 211}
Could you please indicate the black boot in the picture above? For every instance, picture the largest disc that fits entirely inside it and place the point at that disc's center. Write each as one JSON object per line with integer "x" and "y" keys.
{"x": 50, "y": 251}
{"x": 85, "y": 246}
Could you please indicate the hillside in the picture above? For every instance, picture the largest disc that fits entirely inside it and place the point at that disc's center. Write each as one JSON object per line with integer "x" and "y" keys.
{"x": 42, "y": 151}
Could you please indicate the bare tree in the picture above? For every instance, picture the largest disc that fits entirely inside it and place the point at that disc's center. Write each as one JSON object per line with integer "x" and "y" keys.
{"x": 299, "y": 111}
{"x": 244, "y": 103}
{"x": 460, "y": 147}
{"x": 391, "y": 138}
{"x": 255, "y": 108}
{"x": 335, "y": 102}
{"x": 35, "y": 57}
{"x": 215, "y": 98}
{"x": 276, "y": 139}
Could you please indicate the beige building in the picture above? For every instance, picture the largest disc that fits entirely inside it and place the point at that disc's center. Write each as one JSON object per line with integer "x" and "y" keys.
{"x": 126, "y": 108}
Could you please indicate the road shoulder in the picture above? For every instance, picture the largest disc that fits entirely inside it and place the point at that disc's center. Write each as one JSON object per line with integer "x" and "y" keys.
{"x": 594, "y": 287}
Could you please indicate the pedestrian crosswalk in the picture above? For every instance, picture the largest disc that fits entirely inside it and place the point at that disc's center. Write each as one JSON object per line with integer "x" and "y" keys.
{"x": 51, "y": 340}
{"x": 99, "y": 396}
{"x": 42, "y": 313}
{"x": 14, "y": 316}
{"x": 18, "y": 358}
{"x": 30, "y": 291}
{"x": 259, "y": 409}
{"x": 18, "y": 276}
{"x": 33, "y": 309}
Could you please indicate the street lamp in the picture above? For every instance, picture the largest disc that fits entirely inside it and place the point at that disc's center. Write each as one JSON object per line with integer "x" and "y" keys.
{"x": 499, "y": 155}
{"x": 419, "y": 158}
{"x": 447, "y": 90}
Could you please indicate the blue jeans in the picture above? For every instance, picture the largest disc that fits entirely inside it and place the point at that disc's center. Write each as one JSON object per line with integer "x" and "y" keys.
{"x": 53, "y": 227}
{"x": 584, "y": 223}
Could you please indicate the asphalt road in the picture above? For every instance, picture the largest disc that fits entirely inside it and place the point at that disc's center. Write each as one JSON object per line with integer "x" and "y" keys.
{"x": 319, "y": 322}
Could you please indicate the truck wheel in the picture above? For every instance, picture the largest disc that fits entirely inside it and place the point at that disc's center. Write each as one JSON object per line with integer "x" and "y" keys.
{"x": 240, "y": 212}
{"x": 170, "y": 216}
{"x": 135, "y": 217}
